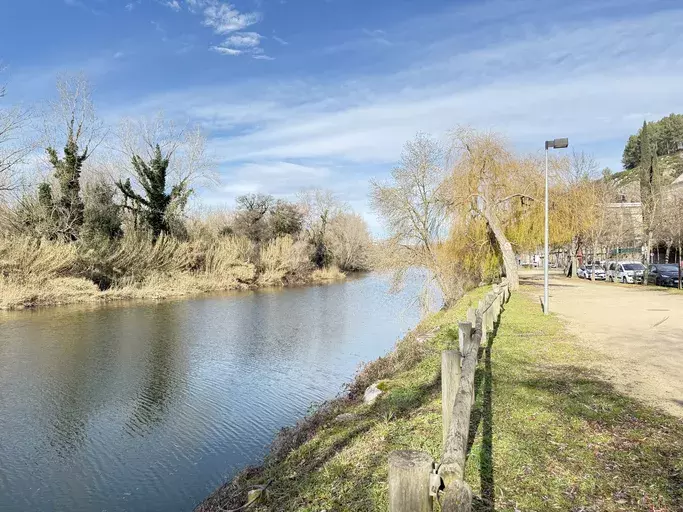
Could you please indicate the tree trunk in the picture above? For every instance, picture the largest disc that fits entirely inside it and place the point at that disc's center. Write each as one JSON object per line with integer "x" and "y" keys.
{"x": 574, "y": 262}
{"x": 509, "y": 260}
{"x": 648, "y": 254}
{"x": 595, "y": 251}
{"x": 668, "y": 252}
{"x": 680, "y": 285}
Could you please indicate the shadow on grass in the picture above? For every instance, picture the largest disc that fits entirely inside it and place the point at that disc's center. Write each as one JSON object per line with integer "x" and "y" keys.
{"x": 482, "y": 414}
{"x": 644, "y": 450}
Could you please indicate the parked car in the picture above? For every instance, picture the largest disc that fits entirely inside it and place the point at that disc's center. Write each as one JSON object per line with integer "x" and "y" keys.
{"x": 581, "y": 272}
{"x": 663, "y": 274}
{"x": 600, "y": 274}
{"x": 628, "y": 272}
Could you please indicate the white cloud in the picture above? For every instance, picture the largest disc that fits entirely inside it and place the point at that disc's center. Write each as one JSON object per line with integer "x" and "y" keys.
{"x": 280, "y": 40}
{"x": 173, "y": 4}
{"x": 226, "y": 51}
{"x": 243, "y": 39}
{"x": 224, "y": 18}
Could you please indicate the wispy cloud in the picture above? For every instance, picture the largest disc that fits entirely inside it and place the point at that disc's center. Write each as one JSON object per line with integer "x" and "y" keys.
{"x": 173, "y": 4}
{"x": 226, "y": 50}
{"x": 223, "y": 18}
{"x": 280, "y": 40}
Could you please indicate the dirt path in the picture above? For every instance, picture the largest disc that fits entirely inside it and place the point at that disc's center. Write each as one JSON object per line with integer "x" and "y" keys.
{"x": 639, "y": 330}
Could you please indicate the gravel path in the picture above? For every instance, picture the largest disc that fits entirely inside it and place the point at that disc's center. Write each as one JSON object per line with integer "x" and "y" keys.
{"x": 639, "y": 329}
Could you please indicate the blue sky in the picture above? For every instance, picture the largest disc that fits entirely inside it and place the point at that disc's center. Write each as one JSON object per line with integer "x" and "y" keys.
{"x": 296, "y": 93}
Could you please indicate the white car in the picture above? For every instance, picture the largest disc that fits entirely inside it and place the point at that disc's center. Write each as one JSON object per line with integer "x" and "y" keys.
{"x": 626, "y": 272}
{"x": 597, "y": 269}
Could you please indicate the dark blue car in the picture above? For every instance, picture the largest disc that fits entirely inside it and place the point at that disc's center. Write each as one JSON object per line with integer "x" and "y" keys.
{"x": 663, "y": 274}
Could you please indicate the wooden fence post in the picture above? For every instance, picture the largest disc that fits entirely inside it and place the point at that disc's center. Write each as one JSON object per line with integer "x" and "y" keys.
{"x": 480, "y": 308}
{"x": 409, "y": 472}
{"x": 472, "y": 316}
{"x": 450, "y": 383}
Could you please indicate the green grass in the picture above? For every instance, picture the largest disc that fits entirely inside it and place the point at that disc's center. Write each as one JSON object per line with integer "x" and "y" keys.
{"x": 546, "y": 434}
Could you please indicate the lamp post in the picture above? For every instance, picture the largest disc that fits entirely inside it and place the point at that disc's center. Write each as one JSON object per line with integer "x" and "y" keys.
{"x": 555, "y": 144}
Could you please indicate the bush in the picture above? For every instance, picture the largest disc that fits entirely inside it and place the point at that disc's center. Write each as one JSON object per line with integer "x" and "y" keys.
{"x": 283, "y": 259}
{"x": 24, "y": 257}
{"x": 231, "y": 256}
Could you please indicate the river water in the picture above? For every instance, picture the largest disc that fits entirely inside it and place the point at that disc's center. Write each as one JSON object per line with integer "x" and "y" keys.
{"x": 150, "y": 406}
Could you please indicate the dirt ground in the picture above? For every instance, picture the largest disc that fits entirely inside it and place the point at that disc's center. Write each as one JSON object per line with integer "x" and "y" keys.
{"x": 638, "y": 329}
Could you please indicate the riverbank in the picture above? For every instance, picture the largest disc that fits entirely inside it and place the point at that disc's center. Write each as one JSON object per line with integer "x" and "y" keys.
{"x": 547, "y": 432}
{"x": 57, "y": 291}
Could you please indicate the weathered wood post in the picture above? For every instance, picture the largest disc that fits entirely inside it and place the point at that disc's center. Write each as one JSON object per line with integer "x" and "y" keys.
{"x": 450, "y": 383}
{"x": 472, "y": 316}
{"x": 480, "y": 309}
{"x": 489, "y": 313}
{"x": 409, "y": 472}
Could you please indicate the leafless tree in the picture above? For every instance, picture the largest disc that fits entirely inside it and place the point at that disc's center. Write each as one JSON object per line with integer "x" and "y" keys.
{"x": 413, "y": 204}
{"x": 349, "y": 241}
{"x": 72, "y": 117}
{"x": 319, "y": 207}
{"x": 14, "y": 143}
{"x": 185, "y": 147}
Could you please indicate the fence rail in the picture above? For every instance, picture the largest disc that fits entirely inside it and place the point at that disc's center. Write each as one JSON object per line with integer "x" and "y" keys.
{"x": 414, "y": 478}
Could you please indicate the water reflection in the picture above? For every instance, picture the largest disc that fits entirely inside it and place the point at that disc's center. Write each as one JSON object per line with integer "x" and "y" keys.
{"x": 163, "y": 369}
{"x": 149, "y": 407}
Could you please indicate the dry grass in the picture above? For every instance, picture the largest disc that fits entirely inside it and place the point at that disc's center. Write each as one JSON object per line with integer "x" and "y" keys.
{"x": 45, "y": 292}
{"x": 42, "y": 273}
{"x": 281, "y": 260}
{"x": 327, "y": 274}
{"x": 28, "y": 258}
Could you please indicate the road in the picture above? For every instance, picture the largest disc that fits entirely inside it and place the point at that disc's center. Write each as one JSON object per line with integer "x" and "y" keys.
{"x": 639, "y": 329}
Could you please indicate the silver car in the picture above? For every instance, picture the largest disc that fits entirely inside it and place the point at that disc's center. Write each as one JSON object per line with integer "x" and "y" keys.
{"x": 629, "y": 272}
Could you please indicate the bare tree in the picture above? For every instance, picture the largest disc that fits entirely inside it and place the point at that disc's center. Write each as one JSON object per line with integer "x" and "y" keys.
{"x": 672, "y": 220}
{"x": 72, "y": 124}
{"x": 413, "y": 204}
{"x": 185, "y": 147}
{"x": 319, "y": 207}
{"x": 601, "y": 194}
{"x": 14, "y": 145}
{"x": 349, "y": 241}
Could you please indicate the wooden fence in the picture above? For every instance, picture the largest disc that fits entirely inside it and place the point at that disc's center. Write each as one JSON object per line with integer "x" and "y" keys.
{"x": 414, "y": 478}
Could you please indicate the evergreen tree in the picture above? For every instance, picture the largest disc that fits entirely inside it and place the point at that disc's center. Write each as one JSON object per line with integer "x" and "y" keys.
{"x": 68, "y": 173}
{"x": 155, "y": 203}
{"x": 102, "y": 216}
{"x": 650, "y": 185}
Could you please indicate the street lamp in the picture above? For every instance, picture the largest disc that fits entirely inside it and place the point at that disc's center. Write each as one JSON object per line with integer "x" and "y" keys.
{"x": 555, "y": 144}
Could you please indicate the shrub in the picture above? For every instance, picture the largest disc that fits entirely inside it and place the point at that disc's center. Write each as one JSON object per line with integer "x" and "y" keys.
{"x": 283, "y": 259}
{"x": 25, "y": 257}
{"x": 231, "y": 256}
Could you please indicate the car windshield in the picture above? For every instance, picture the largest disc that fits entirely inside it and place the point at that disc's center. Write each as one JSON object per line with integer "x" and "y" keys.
{"x": 667, "y": 268}
{"x": 633, "y": 266}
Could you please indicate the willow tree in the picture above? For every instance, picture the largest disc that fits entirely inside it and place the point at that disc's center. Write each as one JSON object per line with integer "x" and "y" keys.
{"x": 491, "y": 182}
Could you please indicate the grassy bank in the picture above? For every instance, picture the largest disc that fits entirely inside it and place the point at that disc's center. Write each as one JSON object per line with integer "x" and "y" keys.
{"x": 546, "y": 434}
{"x": 36, "y": 273}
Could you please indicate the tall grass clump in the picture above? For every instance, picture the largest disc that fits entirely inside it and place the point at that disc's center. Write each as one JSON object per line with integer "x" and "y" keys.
{"x": 231, "y": 257}
{"x": 282, "y": 259}
{"x": 26, "y": 258}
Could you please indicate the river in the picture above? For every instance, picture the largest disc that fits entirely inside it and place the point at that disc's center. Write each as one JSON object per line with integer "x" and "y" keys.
{"x": 150, "y": 406}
